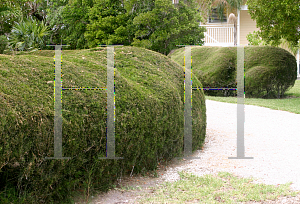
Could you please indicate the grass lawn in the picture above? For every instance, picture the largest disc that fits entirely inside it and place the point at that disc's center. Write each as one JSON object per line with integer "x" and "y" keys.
{"x": 290, "y": 103}
{"x": 223, "y": 188}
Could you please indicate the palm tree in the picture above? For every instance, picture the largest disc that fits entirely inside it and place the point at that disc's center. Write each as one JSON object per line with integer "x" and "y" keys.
{"x": 28, "y": 34}
{"x": 232, "y": 6}
{"x": 223, "y": 6}
{"x": 233, "y": 19}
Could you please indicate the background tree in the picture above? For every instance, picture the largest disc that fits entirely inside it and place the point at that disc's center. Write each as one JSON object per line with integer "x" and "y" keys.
{"x": 154, "y": 24}
{"x": 15, "y": 11}
{"x": 75, "y": 18}
{"x": 55, "y": 21}
{"x": 276, "y": 19}
{"x": 204, "y": 6}
{"x": 164, "y": 27}
{"x": 255, "y": 39}
{"x": 139, "y": 6}
{"x": 108, "y": 22}
{"x": 10, "y": 12}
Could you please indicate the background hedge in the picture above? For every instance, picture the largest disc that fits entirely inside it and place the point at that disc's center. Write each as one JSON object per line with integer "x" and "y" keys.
{"x": 269, "y": 71}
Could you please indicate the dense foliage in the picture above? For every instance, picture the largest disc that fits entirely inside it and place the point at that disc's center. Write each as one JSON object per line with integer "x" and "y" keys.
{"x": 164, "y": 27}
{"x": 158, "y": 25}
{"x": 108, "y": 22}
{"x": 276, "y": 19}
{"x": 3, "y": 43}
{"x": 28, "y": 34}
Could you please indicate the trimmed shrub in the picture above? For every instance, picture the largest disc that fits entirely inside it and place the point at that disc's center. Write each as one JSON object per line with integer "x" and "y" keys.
{"x": 3, "y": 43}
{"x": 269, "y": 71}
{"x": 149, "y": 120}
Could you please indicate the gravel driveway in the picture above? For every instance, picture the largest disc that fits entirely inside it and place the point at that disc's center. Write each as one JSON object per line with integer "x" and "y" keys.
{"x": 272, "y": 137}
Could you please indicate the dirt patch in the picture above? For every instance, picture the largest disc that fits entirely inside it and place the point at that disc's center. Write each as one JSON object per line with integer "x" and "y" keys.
{"x": 140, "y": 184}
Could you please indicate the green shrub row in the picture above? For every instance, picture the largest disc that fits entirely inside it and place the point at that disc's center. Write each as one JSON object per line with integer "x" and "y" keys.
{"x": 149, "y": 122}
{"x": 269, "y": 71}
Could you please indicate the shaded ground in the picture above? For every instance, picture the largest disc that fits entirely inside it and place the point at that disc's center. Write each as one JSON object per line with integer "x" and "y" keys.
{"x": 136, "y": 181}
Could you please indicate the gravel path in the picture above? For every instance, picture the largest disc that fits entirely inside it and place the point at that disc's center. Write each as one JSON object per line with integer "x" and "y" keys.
{"x": 272, "y": 137}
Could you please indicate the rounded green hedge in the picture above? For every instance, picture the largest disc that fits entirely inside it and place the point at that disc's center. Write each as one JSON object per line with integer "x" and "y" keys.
{"x": 149, "y": 122}
{"x": 269, "y": 71}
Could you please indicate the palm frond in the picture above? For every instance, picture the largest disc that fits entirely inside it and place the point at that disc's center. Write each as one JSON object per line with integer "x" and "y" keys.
{"x": 4, "y": 8}
{"x": 230, "y": 6}
{"x": 28, "y": 35}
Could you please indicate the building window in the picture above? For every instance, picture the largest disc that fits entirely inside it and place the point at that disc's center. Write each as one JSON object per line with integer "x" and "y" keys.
{"x": 214, "y": 17}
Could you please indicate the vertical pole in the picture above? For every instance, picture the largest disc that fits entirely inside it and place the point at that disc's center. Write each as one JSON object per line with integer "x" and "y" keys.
{"x": 110, "y": 121}
{"x": 110, "y": 137}
{"x": 240, "y": 104}
{"x": 57, "y": 107}
{"x": 298, "y": 67}
{"x": 188, "y": 139}
{"x": 187, "y": 103}
{"x": 235, "y": 33}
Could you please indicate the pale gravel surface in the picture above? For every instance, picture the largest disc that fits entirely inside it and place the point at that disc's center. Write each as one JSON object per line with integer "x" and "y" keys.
{"x": 272, "y": 137}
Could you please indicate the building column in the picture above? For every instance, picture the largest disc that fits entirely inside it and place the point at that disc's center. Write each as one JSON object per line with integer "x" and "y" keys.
{"x": 238, "y": 28}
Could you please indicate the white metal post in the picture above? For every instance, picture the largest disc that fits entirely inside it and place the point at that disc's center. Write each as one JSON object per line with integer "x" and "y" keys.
{"x": 298, "y": 63}
{"x": 298, "y": 75}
